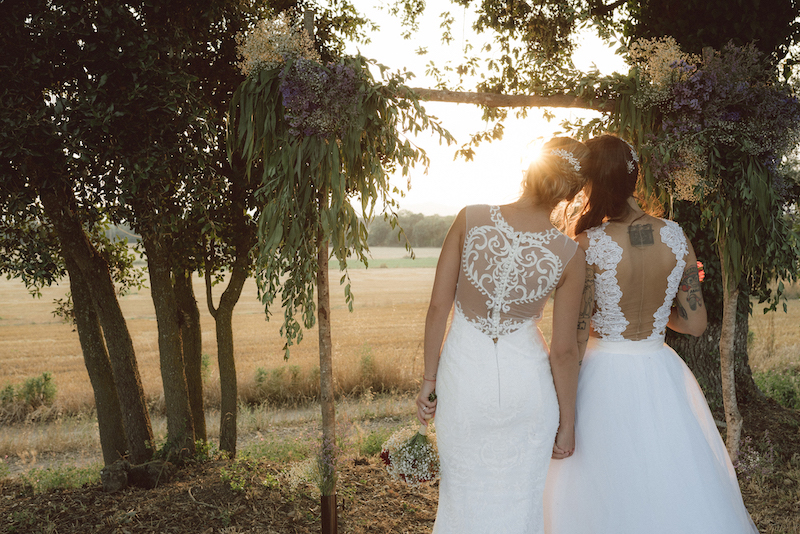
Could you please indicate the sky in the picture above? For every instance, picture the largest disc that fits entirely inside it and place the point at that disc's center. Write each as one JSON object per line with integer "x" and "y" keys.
{"x": 494, "y": 175}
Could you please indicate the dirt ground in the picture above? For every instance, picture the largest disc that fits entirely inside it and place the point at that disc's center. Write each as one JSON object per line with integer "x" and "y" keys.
{"x": 198, "y": 500}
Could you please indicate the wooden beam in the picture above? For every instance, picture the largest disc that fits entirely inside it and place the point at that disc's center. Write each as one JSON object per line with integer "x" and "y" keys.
{"x": 494, "y": 100}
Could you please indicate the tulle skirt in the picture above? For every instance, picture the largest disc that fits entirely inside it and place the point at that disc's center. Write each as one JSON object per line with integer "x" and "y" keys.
{"x": 496, "y": 421}
{"x": 648, "y": 456}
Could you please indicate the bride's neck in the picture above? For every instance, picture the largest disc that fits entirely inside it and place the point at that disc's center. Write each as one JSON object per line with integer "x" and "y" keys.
{"x": 632, "y": 211}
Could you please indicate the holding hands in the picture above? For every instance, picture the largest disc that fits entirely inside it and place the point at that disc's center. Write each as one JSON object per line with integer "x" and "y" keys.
{"x": 564, "y": 445}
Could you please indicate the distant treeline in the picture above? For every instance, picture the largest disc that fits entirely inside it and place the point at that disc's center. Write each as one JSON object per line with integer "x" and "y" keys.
{"x": 421, "y": 230}
{"x": 122, "y": 232}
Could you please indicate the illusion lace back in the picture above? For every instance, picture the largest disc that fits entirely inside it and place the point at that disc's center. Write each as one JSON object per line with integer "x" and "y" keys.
{"x": 497, "y": 411}
{"x": 648, "y": 456}
{"x": 637, "y": 272}
{"x": 506, "y": 276}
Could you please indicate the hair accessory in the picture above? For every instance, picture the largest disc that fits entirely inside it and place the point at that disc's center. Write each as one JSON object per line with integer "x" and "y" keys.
{"x": 567, "y": 155}
{"x": 634, "y": 157}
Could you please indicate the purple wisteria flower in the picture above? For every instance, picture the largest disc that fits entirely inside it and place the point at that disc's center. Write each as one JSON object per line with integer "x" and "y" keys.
{"x": 728, "y": 99}
{"x": 319, "y": 100}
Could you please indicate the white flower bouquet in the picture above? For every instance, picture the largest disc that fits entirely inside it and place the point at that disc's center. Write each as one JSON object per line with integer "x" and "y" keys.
{"x": 411, "y": 455}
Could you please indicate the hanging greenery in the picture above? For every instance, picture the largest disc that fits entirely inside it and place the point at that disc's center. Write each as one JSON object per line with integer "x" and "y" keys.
{"x": 715, "y": 131}
{"x": 320, "y": 140}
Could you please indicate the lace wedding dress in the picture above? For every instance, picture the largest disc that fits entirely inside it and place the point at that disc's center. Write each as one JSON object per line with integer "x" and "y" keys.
{"x": 648, "y": 457}
{"x": 497, "y": 412}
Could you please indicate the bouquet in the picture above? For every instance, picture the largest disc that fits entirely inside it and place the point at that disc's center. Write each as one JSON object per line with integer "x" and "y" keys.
{"x": 411, "y": 457}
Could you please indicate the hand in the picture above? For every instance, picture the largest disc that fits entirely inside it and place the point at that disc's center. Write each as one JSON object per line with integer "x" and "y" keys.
{"x": 426, "y": 408}
{"x": 564, "y": 445}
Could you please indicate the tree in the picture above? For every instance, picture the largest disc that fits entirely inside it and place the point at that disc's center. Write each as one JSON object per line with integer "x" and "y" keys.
{"x": 41, "y": 62}
{"x": 320, "y": 136}
{"x": 30, "y": 252}
{"x": 696, "y": 26}
{"x": 712, "y": 132}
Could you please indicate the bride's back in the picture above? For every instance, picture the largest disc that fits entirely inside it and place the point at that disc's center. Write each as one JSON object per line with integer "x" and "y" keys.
{"x": 636, "y": 257}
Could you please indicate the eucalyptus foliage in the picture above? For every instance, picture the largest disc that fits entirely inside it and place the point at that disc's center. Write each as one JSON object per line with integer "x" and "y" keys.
{"x": 321, "y": 185}
{"x": 715, "y": 133}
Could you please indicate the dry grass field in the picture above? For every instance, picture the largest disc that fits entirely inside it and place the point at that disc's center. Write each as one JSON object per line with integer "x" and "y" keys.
{"x": 381, "y": 337}
{"x": 378, "y": 345}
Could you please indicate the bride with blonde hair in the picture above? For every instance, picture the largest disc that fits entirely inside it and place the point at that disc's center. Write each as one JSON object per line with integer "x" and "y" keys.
{"x": 505, "y": 400}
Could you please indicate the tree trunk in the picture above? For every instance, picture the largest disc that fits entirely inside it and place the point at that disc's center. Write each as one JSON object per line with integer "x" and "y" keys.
{"x": 60, "y": 208}
{"x": 733, "y": 418}
{"x": 327, "y": 393}
{"x": 495, "y": 100}
{"x": 192, "y": 337}
{"x": 180, "y": 427}
{"x": 95, "y": 357}
{"x": 701, "y": 354}
{"x": 327, "y": 460}
{"x": 223, "y": 316}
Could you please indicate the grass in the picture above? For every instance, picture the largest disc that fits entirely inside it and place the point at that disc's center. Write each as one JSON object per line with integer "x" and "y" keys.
{"x": 775, "y": 338}
{"x": 61, "y": 477}
{"x": 783, "y": 386}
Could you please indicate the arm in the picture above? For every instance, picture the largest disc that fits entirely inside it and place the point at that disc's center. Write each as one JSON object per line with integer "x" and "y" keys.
{"x": 442, "y": 297}
{"x": 585, "y": 312}
{"x": 587, "y": 302}
{"x": 564, "y": 350}
{"x": 688, "y": 315}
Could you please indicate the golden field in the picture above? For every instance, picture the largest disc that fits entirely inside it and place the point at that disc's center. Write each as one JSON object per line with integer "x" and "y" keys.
{"x": 383, "y": 332}
{"x": 382, "y": 337}
{"x": 376, "y": 348}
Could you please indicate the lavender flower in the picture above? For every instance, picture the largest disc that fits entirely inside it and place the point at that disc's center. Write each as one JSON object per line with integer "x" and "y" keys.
{"x": 318, "y": 100}
{"x": 727, "y": 99}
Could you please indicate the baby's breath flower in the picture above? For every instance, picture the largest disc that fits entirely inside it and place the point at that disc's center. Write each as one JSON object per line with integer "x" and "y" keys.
{"x": 271, "y": 43}
{"x": 687, "y": 177}
{"x": 661, "y": 63}
{"x": 411, "y": 456}
{"x": 302, "y": 473}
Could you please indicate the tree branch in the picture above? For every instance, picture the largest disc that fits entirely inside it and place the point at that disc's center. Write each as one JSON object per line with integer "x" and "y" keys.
{"x": 494, "y": 100}
{"x": 602, "y": 10}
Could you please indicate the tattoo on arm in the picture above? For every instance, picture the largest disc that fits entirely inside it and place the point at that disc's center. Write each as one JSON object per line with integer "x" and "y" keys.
{"x": 587, "y": 301}
{"x": 690, "y": 283}
{"x": 681, "y": 310}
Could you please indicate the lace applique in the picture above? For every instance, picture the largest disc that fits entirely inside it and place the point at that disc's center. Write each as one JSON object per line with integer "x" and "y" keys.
{"x": 509, "y": 269}
{"x": 605, "y": 253}
{"x": 672, "y": 236}
{"x": 488, "y": 327}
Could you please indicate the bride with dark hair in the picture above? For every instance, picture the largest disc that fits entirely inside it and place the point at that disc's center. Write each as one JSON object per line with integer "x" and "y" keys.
{"x": 648, "y": 457}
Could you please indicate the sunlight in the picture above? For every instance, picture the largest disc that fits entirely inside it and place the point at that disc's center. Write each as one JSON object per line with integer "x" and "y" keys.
{"x": 533, "y": 151}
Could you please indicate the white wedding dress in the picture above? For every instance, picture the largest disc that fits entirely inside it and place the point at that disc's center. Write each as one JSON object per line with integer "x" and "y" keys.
{"x": 497, "y": 411}
{"x": 648, "y": 457}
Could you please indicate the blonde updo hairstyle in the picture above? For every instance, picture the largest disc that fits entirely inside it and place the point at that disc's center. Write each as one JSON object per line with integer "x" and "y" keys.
{"x": 556, "y": 174}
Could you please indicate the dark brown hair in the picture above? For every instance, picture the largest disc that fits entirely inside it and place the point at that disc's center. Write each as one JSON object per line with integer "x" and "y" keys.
{"x": 611, "y": 174}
